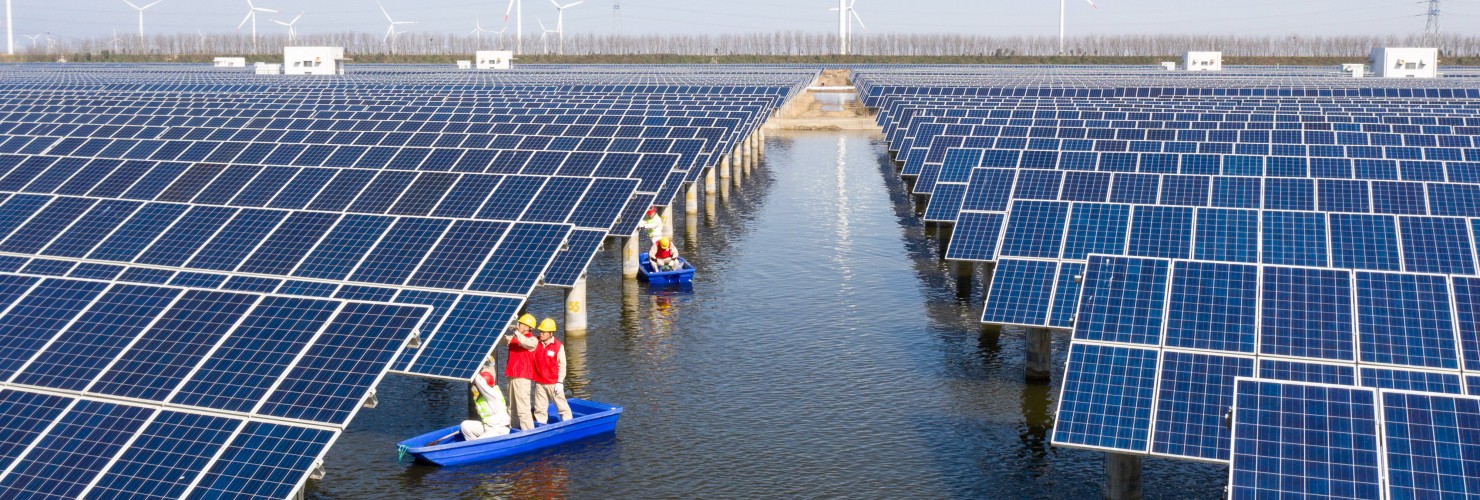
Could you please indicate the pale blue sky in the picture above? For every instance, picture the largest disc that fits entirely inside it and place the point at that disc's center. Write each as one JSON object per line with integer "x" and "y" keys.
{"x": 77, "y": 18}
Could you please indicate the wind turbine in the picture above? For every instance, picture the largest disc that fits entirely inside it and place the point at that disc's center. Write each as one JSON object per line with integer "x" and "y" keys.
{"x": 544, "y": 34}
{"x": 517, "y": 7}
{"x": 845, "y": 28}
{"x": 1061, "y": 22}
{"x": 115, "y": 41}
{"x": 9, "y": 30}
{"x": 478, "y": 32}
{"x": 390, "y": 33}
{"x": 252, "y": 11}
{"x": 292, "y": 33}
{"x": 560, "y": 21}
{"x": 501, "y": 37}
{"x": 141, "y": 17}
{"x": 33, "y": 40}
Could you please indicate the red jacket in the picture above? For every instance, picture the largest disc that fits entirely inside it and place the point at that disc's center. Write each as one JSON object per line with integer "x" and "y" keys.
{"x": 547, "y": 360}
{"x": 663, "y": 253}
{"x": 521, "y": 360}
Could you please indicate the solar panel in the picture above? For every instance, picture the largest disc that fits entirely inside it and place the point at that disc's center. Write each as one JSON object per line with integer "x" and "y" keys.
{"x": 1431, "y": 445}
{"x": 1122, "y": 300}
{"x": 1405, "y": 319}
{"x": 1107, "y": 397}
{"x": 1194, "y": 393}
{"x": 1314, "y": 441}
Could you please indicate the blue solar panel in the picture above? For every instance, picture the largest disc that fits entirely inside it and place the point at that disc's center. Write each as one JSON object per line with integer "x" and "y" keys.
{"x": 76, "y": 448}
{"x": 1307, "y": 313}
{"x": 466, "y": 336}
{"x": 38, "y": 316}
{"x": 1213, "y": 306}
{"x": 1412, "y": 380}
{"x": 459, "y": 254}
{"x": 237, "y": 375}
{"x": 1096, "y": 228}
{"x": 1161, "y": 232}
{"x": 1299, "y": 371}
{"x": 1122, "y": 300}
{"x": 521, "y": 258}
{"x": 75, "y": 356}
{"x": 167, "y": 456}
{"x": 1308, "y": 441}
{"x": 1035, "y": 229}
{"x": 990, "y": 189}
{"x": 1437, "y": 245}
{"x": 945, "y": 203}
{"x": 1405, "y": 319}
{"x": 1019, "y": 293}
{"x": 1432, "y": 445}
{"x": 1294, "y": 239}
{"x": 400, "y": 251}
{"x": 264, "y": 461}
{"x": 1066, "y": 295}
{"x": 1107, "y": 398}
{"x": 1193, "y": 396}
{"x": 1227, "y": 235}
{"x": 167, "y": 352}
{"x": 25, "y": 416}
{"x": 570, "y": 265}
{"x": 975, "y": 236}
{"x": 1364, "y": 242}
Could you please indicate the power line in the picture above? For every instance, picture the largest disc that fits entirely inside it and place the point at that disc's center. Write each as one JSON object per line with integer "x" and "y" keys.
{"x": 1431, "y": 30}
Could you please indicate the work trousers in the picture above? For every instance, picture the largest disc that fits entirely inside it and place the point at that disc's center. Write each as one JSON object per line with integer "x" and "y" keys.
{"x": 476, "y": 429}
{"x": 543, "y": 395}
{"x": 519, "y": 402}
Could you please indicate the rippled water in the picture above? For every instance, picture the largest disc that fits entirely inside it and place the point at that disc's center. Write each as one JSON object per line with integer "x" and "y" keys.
{"x": 825, "y": 351}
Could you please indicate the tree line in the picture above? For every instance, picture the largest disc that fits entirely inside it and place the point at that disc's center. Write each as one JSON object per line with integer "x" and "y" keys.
{"x": 781, "y": 43}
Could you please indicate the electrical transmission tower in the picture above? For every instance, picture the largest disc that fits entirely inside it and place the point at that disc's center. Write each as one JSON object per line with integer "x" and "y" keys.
{"x": 617, "y": 16}
{"x": 1431, "y": 30}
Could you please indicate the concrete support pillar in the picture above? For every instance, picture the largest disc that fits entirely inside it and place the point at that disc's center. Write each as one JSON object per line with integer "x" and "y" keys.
{"x": 629, "y": 257}
{"x": 691, "y": 232}
{"x": 691, "y": 199}
{"x": 709, "y": 180}
{"x": 964, "y": 272}
{"x": 1039, "y": 354}
{"x": 667, "y": 214}
{"x": 760, "y": 146}
{"x": 1122, "y": 476}
{"x": 749, "y": 164}
{"x": 724, "y": 166}
{"x": 575, "y": 308}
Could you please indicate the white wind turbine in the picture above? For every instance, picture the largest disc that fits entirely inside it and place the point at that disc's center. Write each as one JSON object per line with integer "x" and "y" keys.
{"x": 141, "y": 17}
{"x": 1061, "y": 22}
{"x": 560, "y": 21}
{"x": 33, "y": 40}
{"x": 845, "y": 27}
{"x": 390, "y": 33}
{"x": 544, "y": 36}
{"x": 115, "y": 41}
{"x": 478, "y": 32}
{"x": 292, "y": 33}
{"x": 501, "y": 43}
{"x": 252, "y": 11}
{"x": 517, "y": 7}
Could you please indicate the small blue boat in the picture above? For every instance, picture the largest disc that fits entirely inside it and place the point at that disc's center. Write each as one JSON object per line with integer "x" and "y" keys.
{"x": 682, "y": 276}
{"x": 588, "y": 418}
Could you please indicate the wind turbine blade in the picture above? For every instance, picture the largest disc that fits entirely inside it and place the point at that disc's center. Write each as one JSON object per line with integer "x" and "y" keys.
{"x": 387, "y": 14}
{"x": 574, "y": 4}
{"x": 1092, "y": 4}
{"x": 556, "y": 4}
{"x": 156, "y": 2}
{"x": 295, "y": 18}
{"x": 859, "y": 19}
{"x": 509, "y": 10}
{"x": 267, "y": 10}
{"x": 250, "y": 13}
{"x": 542, "y": 24}
{"x": 131, "y": 4}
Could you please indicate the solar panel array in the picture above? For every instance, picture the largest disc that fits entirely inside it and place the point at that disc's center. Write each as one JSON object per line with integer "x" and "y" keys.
{"x": 204, "y": 274}
{"x": 1274, "y": 270}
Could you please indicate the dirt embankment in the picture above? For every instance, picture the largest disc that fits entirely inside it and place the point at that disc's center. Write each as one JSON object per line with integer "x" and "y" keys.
{"x": 825, "y": 109}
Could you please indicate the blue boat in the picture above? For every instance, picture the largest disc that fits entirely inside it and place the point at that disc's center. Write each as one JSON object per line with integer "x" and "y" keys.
{"x": 682, "y": 276}
{"x": 447, "y": 447}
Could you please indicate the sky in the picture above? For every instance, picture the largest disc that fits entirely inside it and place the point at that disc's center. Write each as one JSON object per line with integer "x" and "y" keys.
{"x": 88, "y": 18}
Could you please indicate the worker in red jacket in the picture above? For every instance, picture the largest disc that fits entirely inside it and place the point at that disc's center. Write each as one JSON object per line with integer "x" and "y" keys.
{"x": 549, "y": 374}
{"x": 520, "y": 370}
{"x": 662, "y": 256}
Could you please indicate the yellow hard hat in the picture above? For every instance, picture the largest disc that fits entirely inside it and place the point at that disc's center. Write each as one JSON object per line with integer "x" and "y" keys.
{"x": 527, "y": 320}
{"x": 548, "y": 325}
{"x": 662, "y": 242}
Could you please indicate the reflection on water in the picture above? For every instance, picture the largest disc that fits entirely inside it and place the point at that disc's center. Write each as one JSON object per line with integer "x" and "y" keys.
{"x": 825, "y": 350}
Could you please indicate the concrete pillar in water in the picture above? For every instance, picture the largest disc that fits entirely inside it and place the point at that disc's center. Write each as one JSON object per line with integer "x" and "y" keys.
{"x": 1039, "y": 354}
{"x": 691, "y": 232}
{"x": 629, "y": 257}
{"x": 760, "y": 146}
{"x": 724, "y": 167}
{"x": 710, "y": 200}
{"x": 667, "y": 214}
{"x": 691, "y": 199}
{"x": 575, "y": 308}
{"x": 1122, "y": 476}
{"x": 709, "y": 180}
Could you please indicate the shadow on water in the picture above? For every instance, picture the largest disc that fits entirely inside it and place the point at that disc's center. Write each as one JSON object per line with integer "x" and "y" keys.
{"x": 825, "y": 350}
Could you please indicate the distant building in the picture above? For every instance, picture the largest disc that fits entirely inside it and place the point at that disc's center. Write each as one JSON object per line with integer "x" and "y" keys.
{"x": 1405, "y": 62}
{"x": 229, "y": 62}
{"x": 1169, "y": 65}
{"x": 313, "y": 60}
{"x": 1357, "y": 70}
{"x": 262, "y": 68}
{"x": 462, "y": 64}
{"x": 495, "y": 59}
{"x": 1202, "y": 61}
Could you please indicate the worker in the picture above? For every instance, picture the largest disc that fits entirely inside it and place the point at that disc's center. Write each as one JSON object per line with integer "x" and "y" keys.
{"x": 549, "y": 375}
{"x": 662, "y": 256}
{"x": 652, "y": 224}
{"x": 493, "y": 417}
{"x": 520, "y": 370}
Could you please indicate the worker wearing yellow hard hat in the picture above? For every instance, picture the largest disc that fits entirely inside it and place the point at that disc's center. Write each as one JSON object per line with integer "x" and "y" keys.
{"x": 549, "y": 374}
{"x": 519, "y": 369}
{"x": 662, "y": 255}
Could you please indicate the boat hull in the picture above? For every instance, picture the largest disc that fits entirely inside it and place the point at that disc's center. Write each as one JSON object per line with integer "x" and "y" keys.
{"x": 589, "y": 418}
{"x": 680, "y": 277}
